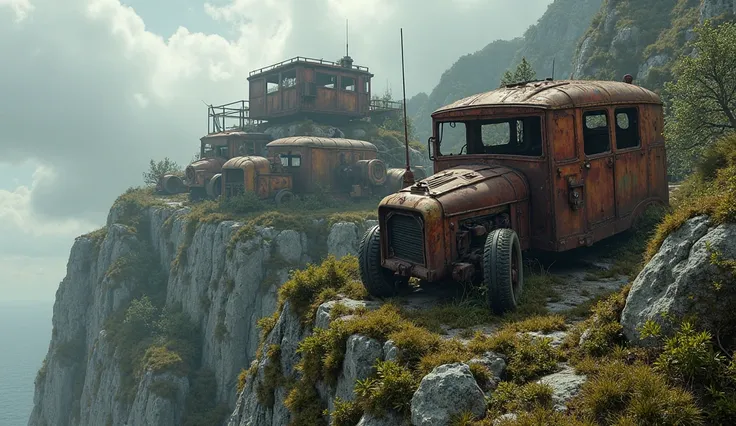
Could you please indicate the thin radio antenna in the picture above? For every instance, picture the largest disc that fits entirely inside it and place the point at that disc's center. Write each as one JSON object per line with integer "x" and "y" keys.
{"x": 347, "y": 39}
{"x": 553, "y": 68}
{"x": 408, "y": 175}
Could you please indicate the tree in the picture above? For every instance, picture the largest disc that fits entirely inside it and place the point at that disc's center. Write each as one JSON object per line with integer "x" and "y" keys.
{"x": 157, "y": 170}
{"x": 702, "y": 96}
{"x": 523, "y": 72}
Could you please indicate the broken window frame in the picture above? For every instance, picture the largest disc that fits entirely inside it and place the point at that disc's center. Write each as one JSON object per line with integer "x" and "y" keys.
{"x": 289, "y": 157}
{"x": 352, "y": 87}
{"x": 589, "y": 149}
{"x": 629, "y": 132}
{"x": 332, "y": 77}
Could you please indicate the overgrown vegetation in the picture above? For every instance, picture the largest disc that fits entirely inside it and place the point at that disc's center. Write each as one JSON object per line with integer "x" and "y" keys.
{"x": 711, "y": 191}
{"x": 157, "y": 170}
{"x": 523, "y": 72}
{"x": 702, "y": 96}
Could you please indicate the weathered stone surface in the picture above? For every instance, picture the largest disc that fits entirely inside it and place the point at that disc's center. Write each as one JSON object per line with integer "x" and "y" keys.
{"x": 215, "y": 287}
{"x": 448, "y": 390}
{"x": 361, "y": 354}
{"x": 344, "y": 239}
{"x": 391, "y": 419}
{"x": 712, "y": 8}
{"x": 679, "y": 280}
{"x": 495, "y": 363}
{"x": 565, "y": 385}
{"x": 390, "y": 351}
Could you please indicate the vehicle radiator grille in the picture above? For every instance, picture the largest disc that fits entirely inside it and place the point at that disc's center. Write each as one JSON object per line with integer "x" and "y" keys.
{"x": 406, "y": 238}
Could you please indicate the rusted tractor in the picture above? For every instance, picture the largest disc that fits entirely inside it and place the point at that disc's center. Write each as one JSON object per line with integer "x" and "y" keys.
{"x": 546, "y": 165}
{"x": 204, "y": 176}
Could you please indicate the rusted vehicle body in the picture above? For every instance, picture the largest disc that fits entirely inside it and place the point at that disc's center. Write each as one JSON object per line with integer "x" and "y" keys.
{"x": 548, "y": 165}
{"x": 257, "y": 175}
{"x": 314, "y": 164}
{"x": 203, "y": 177}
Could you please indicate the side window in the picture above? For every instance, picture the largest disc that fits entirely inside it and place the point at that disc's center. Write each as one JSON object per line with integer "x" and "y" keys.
{"x": 291, "y": 160}
{"x": 596, "y": 138}
{"x": 326, "y": 80}
{"x": 347, "y": 83}
{"x": 627, "y": 128}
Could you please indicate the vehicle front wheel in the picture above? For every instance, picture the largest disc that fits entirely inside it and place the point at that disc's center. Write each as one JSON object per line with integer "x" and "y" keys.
{"x": 503, "y": 274}
{"x": 377, "y": 280}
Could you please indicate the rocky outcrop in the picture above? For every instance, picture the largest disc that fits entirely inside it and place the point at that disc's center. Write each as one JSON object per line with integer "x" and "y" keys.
{"x": 565, "y": 384}
{"x": 447, "y": 391}
{"x": 713, "y": 8}
{"x": 682, "y": 280}
{"x": 223, "y": 288}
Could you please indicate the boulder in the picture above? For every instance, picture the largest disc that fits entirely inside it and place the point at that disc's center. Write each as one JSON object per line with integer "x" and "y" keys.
{"x": 679, "y": 281}
{"x": 447, "y": 391}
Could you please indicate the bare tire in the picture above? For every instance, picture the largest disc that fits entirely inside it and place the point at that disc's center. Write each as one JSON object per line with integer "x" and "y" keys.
{"x": 214, "y": 186}
{"x": 283, "y": 196}
{"x": 503, "y": 273}
{"x": 377, "y": 280}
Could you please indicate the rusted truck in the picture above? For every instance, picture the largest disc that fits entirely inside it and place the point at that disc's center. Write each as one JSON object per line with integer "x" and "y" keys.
{"x": 204, "y": 176}
{"x": 546, "y": 165}
{"x": 308, "y": 164}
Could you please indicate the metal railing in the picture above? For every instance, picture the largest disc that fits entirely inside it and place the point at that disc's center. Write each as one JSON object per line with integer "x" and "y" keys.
{"x": 383, "y": 105}
{"x": 304, "y": 59}
{"x": 222, "y": 117}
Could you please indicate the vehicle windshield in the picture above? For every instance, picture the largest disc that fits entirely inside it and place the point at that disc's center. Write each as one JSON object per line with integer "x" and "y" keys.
{"x": 507, "y": 136}
{"x": 211, "y": 150}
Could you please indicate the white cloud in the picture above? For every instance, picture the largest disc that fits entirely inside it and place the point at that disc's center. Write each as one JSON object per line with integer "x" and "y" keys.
{"x": 21, "y": 8}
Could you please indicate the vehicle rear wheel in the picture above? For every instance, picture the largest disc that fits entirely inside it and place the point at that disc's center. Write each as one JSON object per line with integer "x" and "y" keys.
{"x": 283, "y": 196}
{"x": 503, "y": 273}
{"x": 377, "y": 280}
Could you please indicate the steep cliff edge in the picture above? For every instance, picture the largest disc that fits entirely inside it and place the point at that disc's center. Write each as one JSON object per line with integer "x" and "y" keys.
{"x": 157, "y": 314}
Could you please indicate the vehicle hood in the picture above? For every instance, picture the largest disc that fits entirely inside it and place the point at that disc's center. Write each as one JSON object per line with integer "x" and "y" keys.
{"x": 464, "y": 189}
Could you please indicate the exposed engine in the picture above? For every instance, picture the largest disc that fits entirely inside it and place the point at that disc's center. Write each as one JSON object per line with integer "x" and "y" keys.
{"x": 470, "y": 236}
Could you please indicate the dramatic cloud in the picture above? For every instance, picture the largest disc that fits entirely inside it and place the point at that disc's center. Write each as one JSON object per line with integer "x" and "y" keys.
{"x": 90, "y": 93}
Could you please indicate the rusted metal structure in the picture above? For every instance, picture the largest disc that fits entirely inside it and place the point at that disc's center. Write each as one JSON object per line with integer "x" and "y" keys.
{"x": 332, "y": 165}
{"x": 326, "y": 91}
{"x": 549, "y": 165}
{"x": 203, "y": 177}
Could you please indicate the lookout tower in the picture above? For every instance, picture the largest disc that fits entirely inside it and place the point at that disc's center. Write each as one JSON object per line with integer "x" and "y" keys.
{"x": 325, "y": 91}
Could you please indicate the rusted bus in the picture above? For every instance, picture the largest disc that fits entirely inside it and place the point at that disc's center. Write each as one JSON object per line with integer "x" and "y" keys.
{"x": 550, "y": 165}
{"x": 317, "y": 164}
{"x": 310, "y": 87}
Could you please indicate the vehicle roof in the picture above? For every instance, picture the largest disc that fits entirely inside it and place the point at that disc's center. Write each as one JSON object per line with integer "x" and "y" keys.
{"x": 236, "y": 132}
{"x": 558, "y": 94}
{"x": 319, "y": 142}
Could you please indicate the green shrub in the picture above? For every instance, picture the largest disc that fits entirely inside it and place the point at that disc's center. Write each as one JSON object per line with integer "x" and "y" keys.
{"x": 514, "y": 398}
{"x": 621, "y": 393}
{"x": 346, "y": 413}
{"x": 391, "y": 389}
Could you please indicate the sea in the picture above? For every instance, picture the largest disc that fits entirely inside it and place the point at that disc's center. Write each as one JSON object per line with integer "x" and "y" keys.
{"x": 25, "y": 332}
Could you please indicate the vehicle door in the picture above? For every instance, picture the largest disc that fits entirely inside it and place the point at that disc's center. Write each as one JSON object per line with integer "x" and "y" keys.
{"x": 631, "y": 161}
{"x": 598, "y": 166}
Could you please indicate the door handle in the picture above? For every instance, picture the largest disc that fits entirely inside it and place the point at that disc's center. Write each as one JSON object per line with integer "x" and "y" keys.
{"x": 609, "y": 162}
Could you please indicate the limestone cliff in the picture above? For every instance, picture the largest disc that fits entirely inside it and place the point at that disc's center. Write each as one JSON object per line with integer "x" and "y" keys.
{"x": 642, "y": 38}
{"x": 217, "y": 276}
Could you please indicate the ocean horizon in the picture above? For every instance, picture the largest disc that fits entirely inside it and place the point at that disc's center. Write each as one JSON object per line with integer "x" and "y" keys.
{"x": 25, "y": 333}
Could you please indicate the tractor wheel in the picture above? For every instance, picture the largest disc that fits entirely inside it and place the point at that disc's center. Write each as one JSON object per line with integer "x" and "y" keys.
{"x": 214, "y": 187}
{"x": 284, "y": 196}
{"x": 377, "y": 280}
{"x": 503, "y": 273}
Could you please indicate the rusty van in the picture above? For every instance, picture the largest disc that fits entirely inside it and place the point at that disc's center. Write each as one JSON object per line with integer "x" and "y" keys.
{"x": 307, "y": 164}
{"x": 547, "y": 165}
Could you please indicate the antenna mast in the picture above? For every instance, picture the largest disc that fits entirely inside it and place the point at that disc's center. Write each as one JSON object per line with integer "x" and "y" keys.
{"x": 408, "y": 175}
{"x": 347, "y": 39}
{"x": 553, "y": 68}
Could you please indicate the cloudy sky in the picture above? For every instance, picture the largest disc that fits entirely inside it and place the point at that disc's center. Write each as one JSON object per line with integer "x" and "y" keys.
{"x": 90, "y": 90}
